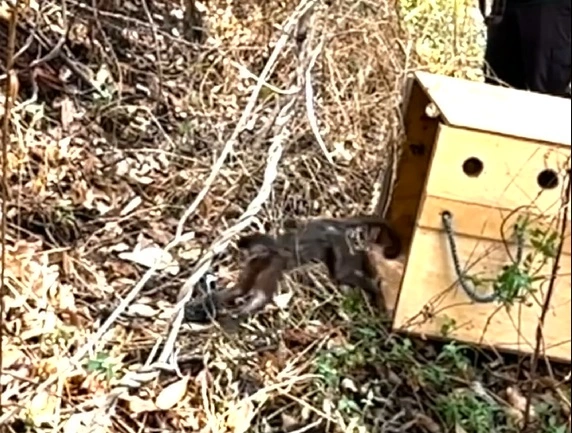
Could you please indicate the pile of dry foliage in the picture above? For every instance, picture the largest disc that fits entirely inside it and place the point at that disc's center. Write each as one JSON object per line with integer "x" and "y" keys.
{"x": 140, "y": 145}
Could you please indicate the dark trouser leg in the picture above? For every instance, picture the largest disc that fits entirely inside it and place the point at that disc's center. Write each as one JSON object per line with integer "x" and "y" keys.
{"x": 545, "y": 35}
{"x": 503, "y": 55}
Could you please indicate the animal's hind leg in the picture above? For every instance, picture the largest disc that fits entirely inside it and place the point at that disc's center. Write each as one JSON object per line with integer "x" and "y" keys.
{"x": 350, "y": 269}
{"x": 208, "y": 307}
{"x": 336, "y": 257}
{"x": 358, "y": 279}
{"x": 256, "y": 303}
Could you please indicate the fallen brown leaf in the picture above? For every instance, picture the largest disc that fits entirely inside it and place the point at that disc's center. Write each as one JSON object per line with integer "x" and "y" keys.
{"x": 42, "y": 408}
{"x": 172, "y": 394}
{"x": 138, "y": 405}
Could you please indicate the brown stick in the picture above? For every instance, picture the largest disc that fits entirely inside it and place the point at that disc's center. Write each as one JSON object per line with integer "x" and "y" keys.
{"x": 551, "y": 284}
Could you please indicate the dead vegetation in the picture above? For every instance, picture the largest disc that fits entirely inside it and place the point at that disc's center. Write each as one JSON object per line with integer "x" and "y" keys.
{"x": 139, "y": 146}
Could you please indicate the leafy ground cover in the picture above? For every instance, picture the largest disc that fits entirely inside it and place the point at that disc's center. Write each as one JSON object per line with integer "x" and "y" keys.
{"x": 140, "y": 134}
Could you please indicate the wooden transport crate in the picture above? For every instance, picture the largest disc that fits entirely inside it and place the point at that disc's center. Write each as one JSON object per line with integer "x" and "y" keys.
{"x": 489, "y": 156}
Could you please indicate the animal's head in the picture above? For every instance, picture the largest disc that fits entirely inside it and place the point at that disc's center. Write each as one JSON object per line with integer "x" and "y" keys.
{"x": 253, "y": 240}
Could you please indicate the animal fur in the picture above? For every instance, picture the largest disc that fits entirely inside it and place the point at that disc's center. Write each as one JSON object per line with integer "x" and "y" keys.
{"x": 320, "y": 240}
{"x": 259, "y": 279}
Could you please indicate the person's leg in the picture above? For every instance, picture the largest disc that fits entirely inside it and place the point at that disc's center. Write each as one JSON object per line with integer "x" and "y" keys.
{"x": 545, "y": 33}
{"x": 503, "y": 54}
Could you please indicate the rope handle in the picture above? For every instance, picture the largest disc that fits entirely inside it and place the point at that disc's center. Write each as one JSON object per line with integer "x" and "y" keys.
{"x": 464, "y": 280}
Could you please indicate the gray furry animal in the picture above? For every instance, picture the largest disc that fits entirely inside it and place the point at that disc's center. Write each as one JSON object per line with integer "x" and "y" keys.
{"x": 258, "y": 280}
{"x": 319, "y": 240}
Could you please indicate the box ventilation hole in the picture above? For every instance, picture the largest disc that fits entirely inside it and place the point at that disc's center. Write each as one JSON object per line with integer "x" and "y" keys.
{"x": 473, "y": 167}
{"x": 547, "y": 179}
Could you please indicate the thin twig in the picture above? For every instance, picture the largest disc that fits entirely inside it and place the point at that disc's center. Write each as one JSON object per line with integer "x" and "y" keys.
{"x": 135, "y": 379}
{"x": 157, "y": 49}
{"x": 547, "y": 302}
{"x": 310, "y": 101}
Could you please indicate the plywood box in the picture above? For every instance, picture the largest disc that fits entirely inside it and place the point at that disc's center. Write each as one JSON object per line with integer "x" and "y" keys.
{"x": 494, "y": 159}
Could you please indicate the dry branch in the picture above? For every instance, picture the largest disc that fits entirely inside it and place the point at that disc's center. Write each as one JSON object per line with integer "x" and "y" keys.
{"x": 100, "y": 418}
{"x": 227, "y": 149}
{"x": 11, "y": 92}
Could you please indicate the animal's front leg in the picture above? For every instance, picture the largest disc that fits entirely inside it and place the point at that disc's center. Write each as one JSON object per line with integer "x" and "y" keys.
{"x": 256, "y": 303}
{"x": 369, "y": 285}
{"x": 264, "y": 288}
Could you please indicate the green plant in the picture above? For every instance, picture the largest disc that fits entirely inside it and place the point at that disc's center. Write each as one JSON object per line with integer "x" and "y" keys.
{"x": 434, "y": 375}
{"x": 451, "y": 360}
{"x": 549, "y": 420}
{"x": 328, "y": 367}
{"x": 401, "y": 351}
{"x": 348, "y": 405}
{"x": 515, "y": 282}
{"x": 447, "y": 326}
{"x": 333, "y": 364}
{"x": 352, "y": 304}
{"x": 102, "y": 363}
{"x": 454, "y": 356}
{"x": 463, "y": 408}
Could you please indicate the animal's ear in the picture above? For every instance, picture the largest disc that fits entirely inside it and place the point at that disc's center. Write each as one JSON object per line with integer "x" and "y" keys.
{"x": 388, "y": 238}
{"x": 247, "y": 241}
{"x": 243, "y": 242}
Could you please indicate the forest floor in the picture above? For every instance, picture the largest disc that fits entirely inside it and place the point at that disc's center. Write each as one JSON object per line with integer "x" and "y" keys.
{"x": 140, "y": 146}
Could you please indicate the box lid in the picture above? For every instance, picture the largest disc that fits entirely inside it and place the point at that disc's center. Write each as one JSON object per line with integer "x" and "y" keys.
{"x": 497, "y": 109}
